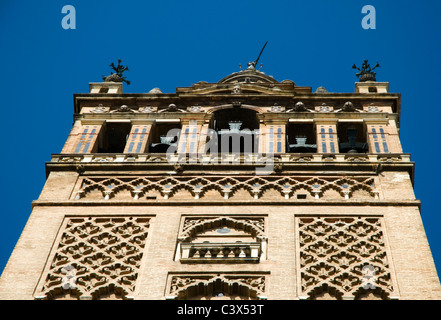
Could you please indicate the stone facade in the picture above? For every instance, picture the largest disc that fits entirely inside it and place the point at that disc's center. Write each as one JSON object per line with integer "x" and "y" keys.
{"x": 316, "y": 202}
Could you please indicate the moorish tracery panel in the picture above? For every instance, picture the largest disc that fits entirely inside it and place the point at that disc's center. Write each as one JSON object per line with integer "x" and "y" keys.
{"x": 343, "y": 258}
{"x": 192, "y": 225}
{"x": 197, "y": 187}
{"x": 95, "y": 258}
{"x": 217, "y": 286}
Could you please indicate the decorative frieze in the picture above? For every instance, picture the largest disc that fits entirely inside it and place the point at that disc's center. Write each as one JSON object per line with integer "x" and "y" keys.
{"x": 299, "y": 106}
{"x": 227, "y": 187}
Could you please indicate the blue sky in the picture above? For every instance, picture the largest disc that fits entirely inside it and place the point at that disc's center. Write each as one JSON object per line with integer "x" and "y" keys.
{"x": 168, "y": 44}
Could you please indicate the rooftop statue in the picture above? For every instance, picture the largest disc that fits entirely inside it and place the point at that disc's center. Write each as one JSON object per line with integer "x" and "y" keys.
{"x": 366, "y": 72}
{"x": 118, "y": 75}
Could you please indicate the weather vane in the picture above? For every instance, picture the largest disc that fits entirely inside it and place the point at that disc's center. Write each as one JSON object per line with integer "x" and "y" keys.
{"x": 252, "y": 65}
{"x": 118, "y": 75}
{"x": 366, "y": 72}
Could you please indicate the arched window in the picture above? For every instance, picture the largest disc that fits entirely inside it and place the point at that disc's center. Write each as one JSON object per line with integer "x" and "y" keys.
{"x": 236, "y": 130}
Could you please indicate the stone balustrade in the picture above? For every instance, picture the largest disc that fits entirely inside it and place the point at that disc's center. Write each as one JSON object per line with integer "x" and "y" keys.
{"x": 230, "y": 158}
{"x": 220, "y": 252}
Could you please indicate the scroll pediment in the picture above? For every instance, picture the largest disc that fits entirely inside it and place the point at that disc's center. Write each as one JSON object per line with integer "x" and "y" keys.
{"x": 248, "y": 76}
{"x": 244, "y": 82}
{"x": 236, "y": 89}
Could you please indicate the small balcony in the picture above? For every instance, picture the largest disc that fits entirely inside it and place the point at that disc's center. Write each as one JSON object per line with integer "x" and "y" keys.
{"x": 236, "y": 252}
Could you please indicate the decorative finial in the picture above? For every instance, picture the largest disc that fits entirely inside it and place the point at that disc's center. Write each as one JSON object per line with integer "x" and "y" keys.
{"x": 366, "y": 72}
{"x": 118, "y": 75}
{"x": 252, "y": 65}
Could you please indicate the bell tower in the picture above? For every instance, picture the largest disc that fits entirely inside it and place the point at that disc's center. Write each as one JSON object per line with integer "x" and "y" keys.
{"x": 249, "y": 188}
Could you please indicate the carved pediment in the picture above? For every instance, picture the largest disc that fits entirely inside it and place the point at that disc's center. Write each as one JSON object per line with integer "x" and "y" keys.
{"x": 242, "y": 83}
{"x": 235, "y": 89}
{"x": 248, "y": 76}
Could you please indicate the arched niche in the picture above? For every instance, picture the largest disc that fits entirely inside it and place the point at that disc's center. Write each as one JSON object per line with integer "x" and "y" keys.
{"x": 236, "y": 128}
{"x": 222, "y": 240}
{"x": 221, "y": 288}
{"x": 221, "y": 227}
